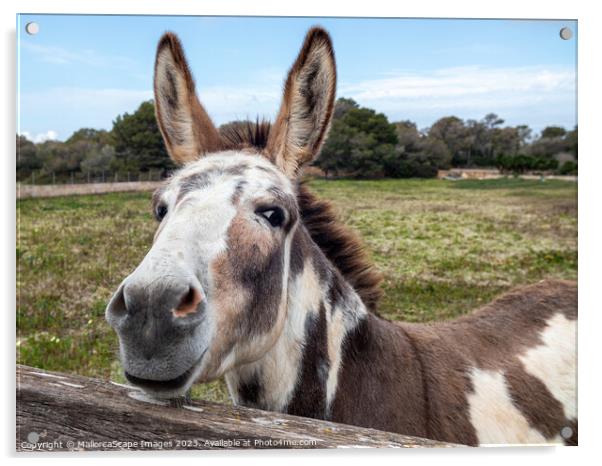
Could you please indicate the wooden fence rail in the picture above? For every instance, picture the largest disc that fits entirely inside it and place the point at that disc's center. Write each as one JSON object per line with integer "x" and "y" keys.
{"x": 62, "y": 412}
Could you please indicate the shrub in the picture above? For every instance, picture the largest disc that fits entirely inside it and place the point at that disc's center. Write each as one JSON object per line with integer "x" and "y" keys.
{"x": 521, "y": 163}
{"x": 568, "y": 168}
{"x": 410, "y": 165}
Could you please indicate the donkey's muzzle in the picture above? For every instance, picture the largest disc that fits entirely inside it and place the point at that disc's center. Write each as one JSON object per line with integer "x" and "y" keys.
{"x": 151, "y": 316}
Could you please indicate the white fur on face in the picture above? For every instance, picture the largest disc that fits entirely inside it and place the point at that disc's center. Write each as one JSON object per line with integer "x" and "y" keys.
{"x": 196, "y": 227}
{"x": 190, "y": 238}
{"x": 495, "y": 417}
{"x": 554, "y": 362}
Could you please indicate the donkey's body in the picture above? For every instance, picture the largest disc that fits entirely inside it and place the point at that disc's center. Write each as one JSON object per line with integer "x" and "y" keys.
{"x": 481, "y": 378}
{"x": 252, "y": 277}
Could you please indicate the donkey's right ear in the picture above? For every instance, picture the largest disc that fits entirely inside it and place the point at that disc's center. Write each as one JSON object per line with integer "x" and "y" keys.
{"x": 187, "y": 130}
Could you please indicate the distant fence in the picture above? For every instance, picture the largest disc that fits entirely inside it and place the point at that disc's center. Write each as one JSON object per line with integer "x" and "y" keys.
{"x": 470, "y": 173}
{"x": 139, "y": 184}
{"x": 494, "y": 173}
{"x": 39, "y": 177}
{"x": 25, "y": 191}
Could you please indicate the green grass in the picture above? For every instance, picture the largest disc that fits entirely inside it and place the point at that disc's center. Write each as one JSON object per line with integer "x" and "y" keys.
{"x": 444, "y": 247}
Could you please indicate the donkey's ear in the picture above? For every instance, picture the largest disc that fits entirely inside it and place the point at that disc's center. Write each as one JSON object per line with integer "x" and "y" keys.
{"x": 307, "y": 105}
{"x": 187, "y": 130}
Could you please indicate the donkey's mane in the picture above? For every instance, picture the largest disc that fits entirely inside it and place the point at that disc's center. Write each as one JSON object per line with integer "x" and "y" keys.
{"x": 245, "y": 134}
{"x": 337, "y": 241}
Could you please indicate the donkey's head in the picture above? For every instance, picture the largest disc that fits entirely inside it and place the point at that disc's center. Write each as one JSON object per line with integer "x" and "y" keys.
{"x": 211, "y": 294}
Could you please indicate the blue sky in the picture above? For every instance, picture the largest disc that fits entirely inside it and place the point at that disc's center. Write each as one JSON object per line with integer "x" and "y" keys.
{"x": 82, "y": 71}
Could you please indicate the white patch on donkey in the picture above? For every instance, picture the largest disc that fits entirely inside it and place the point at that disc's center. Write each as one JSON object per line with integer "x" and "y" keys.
{"x": 554, "y": 362}
{"x": 495, "y": 418}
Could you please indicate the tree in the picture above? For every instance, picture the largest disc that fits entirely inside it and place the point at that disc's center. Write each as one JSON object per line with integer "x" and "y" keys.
{"x": 505, "y": 141}
{"x": 571, "y": 139}
{"x": 368, "y": 121}
{"x": 407, "y": 134}
{"x": 553, "y": 132}
{"x": 359, "y": 141}
{"x": 437, "y": 152}
{"x": 556, "y": 142}
{"x": 524, "y": 135}
{"x": 454, "y": 134}
{"x": 568, "y": 168}
{"x": 362, "y": 143}
{"x": 479, "y": 142}
{"x": 416, "y": 155}
{"x": 343, "y": 105}
{"x": 99, "y": 160}
{"x": 521, "y": 163}
{"x": 56, "y": 158}
{"x": 491, "y": 121}
{"x": 27, "y": 157}
{"x": 335, "y": 152}
{"x": 138, "y": 142}
{"x": 91, "y": 135}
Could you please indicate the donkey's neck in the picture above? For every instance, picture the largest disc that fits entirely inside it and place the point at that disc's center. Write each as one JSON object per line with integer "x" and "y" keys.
{"x": 299, "y": 375}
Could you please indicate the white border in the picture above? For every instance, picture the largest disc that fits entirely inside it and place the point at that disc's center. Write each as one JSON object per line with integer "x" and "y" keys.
{"x": 590, "y": 25}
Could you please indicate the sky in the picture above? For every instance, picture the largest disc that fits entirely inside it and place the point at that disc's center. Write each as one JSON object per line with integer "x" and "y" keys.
{"x": 84, "y": 70}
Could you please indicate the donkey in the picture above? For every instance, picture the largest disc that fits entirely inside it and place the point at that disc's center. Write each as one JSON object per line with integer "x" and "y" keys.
{"x": 251, "y": 277}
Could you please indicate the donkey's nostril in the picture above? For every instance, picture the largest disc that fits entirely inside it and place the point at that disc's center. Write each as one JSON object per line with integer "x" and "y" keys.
{"x": 188, "y": 303}
{"x": 117, "y": 306}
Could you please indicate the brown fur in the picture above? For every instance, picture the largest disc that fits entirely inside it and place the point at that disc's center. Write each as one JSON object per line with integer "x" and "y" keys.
{"x": 168, "y": 97}
{"x": 544, "y": 412}
{"x": 252, "y": 261}
{"x": 337, "y": 241}
{"x": 370, "y": 393}
{"x": 426, "y": 394}
{"x": 407, "y": 378}
{"x": 309, "y": 398}
{"x": 307, "y": 106}
{"x": 340, "y": 245}
{"x": 242, "y": 135}
{"x": 248, "y": 296}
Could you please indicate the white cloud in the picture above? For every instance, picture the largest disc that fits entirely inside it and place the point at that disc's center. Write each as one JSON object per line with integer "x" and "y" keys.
{"x": 81, "y": 107}
{"x": 49, "y": 135}
{"x": 226, "y": 103}
{"x": 68, "y": 109}
{"x": 536, "y": 95}
{"x": 464, "y": 81}
{"x": 539, "y": 95}
{"x": 60, "y": 56}
{"x": 84, "y": 99}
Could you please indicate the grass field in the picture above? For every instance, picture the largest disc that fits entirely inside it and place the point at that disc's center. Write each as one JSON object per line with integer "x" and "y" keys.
{"x": 444, "y": 248}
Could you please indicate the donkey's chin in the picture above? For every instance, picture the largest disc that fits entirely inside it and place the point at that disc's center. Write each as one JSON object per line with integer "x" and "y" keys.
{"x": 176, "y": 387}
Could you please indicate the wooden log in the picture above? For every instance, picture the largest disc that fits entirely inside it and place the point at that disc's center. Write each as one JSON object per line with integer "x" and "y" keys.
{"x": 63, "y": 412}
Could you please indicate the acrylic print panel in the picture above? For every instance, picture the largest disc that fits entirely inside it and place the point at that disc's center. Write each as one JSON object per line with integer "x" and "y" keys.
{"x": 261, "y": 232}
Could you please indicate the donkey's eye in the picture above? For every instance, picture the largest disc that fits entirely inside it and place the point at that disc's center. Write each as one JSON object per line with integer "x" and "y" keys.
{"x": 274, "y": 215}
{"x": 160, "y": 212}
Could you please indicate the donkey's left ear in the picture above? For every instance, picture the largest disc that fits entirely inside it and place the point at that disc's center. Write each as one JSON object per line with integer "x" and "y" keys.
{"x": 307, "y": 106}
